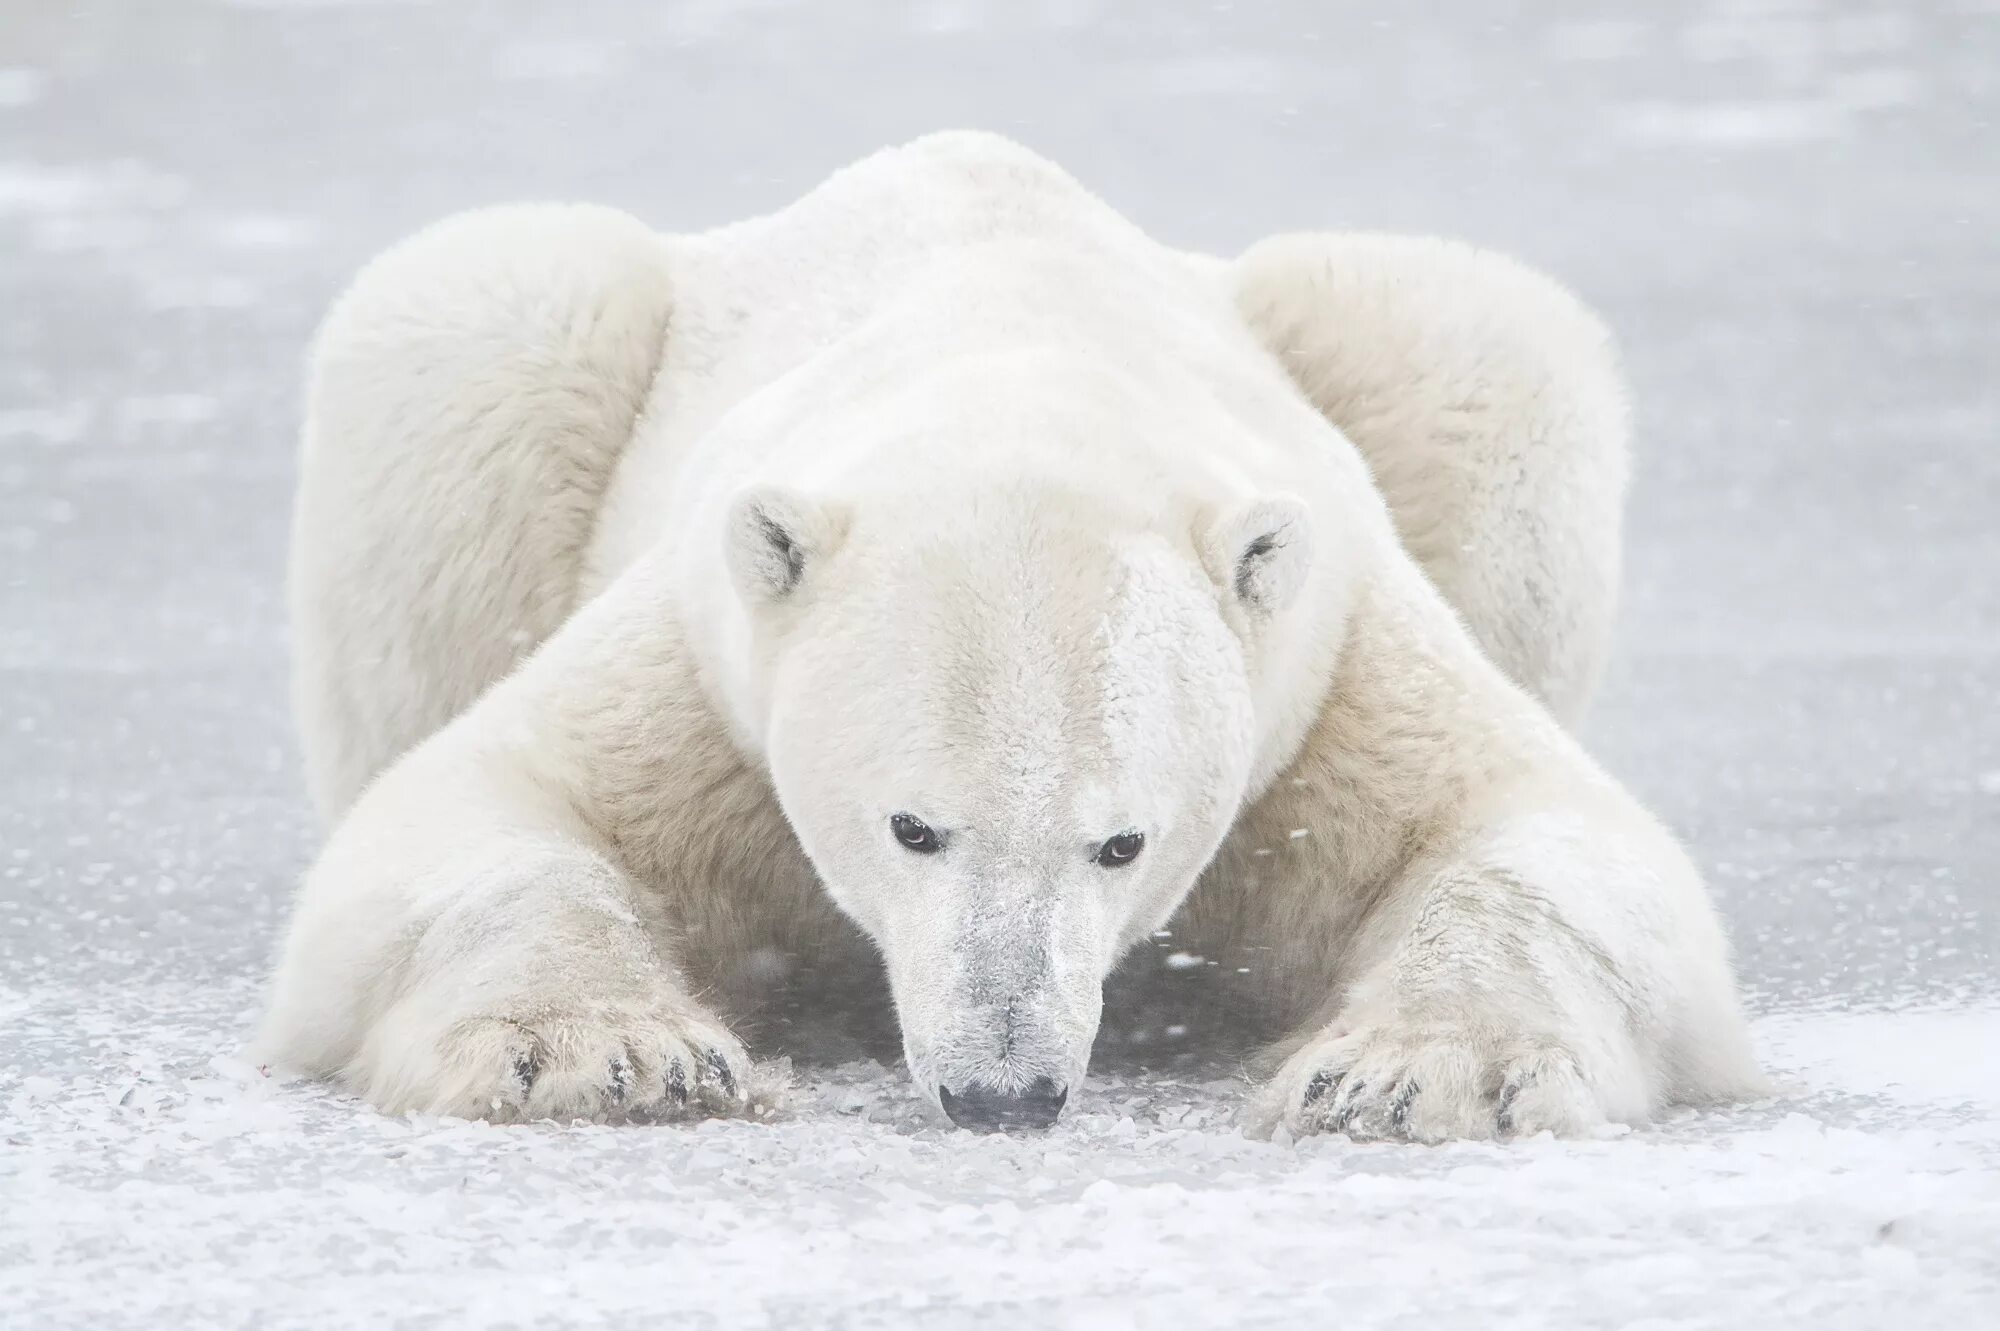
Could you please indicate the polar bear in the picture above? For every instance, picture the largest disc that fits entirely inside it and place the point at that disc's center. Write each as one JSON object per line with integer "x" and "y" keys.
{"x": 939, "y": 581}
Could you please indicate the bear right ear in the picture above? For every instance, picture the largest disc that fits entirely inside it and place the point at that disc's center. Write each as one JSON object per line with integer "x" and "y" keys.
{"x": 1260, "y": 553}
{"x": 774, "y": 539}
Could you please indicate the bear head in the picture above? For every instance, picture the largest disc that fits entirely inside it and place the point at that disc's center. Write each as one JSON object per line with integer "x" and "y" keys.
{"x": 1011, "y": 704}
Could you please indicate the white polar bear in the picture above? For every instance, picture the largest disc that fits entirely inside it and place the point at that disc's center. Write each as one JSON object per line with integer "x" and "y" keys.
{"x": 941, "y": 556}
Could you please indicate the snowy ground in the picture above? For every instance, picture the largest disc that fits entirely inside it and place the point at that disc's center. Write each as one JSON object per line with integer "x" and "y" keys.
{"x": 1787, "y": 208}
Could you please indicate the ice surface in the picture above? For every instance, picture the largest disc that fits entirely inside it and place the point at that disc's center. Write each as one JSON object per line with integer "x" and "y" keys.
{"x": 1787, "y": 211}
{"x": 153, "y": 1182}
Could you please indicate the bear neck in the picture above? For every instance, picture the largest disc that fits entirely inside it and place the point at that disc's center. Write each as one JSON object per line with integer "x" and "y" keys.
{"x": 1404, "y": 744}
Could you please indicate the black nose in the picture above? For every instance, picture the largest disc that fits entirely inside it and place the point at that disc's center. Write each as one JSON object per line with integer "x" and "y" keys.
{"x": 986, "y": 1109}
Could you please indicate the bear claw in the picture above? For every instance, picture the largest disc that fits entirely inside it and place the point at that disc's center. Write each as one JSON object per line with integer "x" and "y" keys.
{"x": 643, "y": 1066}
{"x": 718, "y": 1067}
{"x": 526, "y": 1068}
{"x": 1429, "y": 1086}
{"x": 1503, "y": 1114}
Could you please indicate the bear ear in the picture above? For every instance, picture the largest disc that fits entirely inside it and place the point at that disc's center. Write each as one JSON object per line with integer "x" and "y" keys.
{"x": 775, "y": 537}
{"x": 1259, "y": 553}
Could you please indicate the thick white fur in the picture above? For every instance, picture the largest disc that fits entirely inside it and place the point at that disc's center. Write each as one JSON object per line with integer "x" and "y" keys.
{"x": 1488, "y": 404}
{"x": 639, "y": 579}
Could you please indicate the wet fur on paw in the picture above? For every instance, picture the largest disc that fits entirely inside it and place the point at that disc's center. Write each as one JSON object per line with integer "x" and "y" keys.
{"x": 610, "y": 1065}
{"x": 1391, "y": 1084}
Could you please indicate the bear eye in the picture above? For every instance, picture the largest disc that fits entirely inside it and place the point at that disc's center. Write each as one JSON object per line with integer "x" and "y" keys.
{"x": 915, "y": 834}
{"x": 1120, "y": 850}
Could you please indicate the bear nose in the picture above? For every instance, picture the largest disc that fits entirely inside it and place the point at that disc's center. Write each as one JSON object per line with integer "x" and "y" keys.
{"x": 989, "y": 1109}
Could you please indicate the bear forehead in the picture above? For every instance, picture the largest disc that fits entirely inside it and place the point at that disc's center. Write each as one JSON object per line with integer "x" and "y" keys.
{"x": 1091, "y": 678}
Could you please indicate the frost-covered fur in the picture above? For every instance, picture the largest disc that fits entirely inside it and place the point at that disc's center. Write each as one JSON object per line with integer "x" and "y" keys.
{"x": 640, "y": 581}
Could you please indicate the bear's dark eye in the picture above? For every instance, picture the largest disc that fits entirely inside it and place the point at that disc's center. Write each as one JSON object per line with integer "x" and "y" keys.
{"x": 915, "y": 834}
{"x": 1120, "y": 850}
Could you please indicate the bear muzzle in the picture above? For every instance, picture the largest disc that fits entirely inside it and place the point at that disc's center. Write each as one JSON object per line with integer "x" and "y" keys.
{"x": 990, "y": 1109}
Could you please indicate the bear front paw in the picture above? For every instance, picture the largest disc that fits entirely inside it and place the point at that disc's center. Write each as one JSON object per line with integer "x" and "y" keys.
{"x": 644, "y": 1064}
{"x": 1410, "y": 1084}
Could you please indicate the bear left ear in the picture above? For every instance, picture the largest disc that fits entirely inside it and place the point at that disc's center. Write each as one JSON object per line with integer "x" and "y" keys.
{"x": 775, "y": 537}
{"x": 1261, "y": 552}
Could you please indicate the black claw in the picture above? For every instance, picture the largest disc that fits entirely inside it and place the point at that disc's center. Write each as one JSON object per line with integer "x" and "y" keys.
{"x": 1400, "y": 1099}
{"x": 1349, "y": 1107}
{"x": 1316, "y": 1089}
{"x": 718, "y": 1068}
{"x": 526, "y": 1068}
{"x": 677, "y": 1082}
{"x": 1503, "y": 1117}
{"x": 621, "y": 1075}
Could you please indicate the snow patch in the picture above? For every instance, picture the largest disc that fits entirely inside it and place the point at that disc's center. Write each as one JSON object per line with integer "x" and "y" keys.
{"x": 152, "y": 1178}
{"x": 20, "y": 86}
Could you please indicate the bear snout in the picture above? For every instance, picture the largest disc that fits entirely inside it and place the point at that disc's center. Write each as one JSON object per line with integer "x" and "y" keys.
{"x": 990, "y": 1109}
